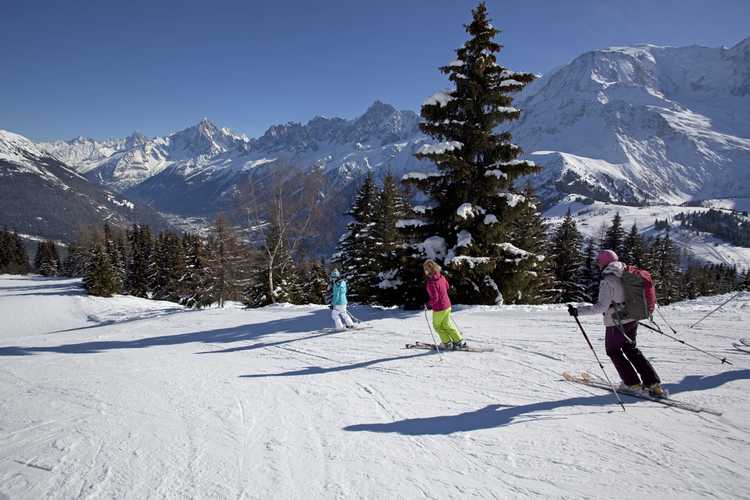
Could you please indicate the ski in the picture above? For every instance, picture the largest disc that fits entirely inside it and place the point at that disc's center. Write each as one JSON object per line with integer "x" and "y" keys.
{"x": 594, "y": 381}
{"x": 342, "y": 330}
{"x": 433, "y": 347}
{"x": 742, "y": 347}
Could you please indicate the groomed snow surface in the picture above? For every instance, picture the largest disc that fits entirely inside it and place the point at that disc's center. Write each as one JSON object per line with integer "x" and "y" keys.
{"x": 129, "y": 398}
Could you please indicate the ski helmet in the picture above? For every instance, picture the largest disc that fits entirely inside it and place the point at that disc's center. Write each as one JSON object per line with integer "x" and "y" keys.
{"x": 605, "y": 258}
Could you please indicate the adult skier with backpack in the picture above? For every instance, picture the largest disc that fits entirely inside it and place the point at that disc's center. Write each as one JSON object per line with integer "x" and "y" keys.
{"x": 625, "y": 295}
{"x": 338, "y": 302}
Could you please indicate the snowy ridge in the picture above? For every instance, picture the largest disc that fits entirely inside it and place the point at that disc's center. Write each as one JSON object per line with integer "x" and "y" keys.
{"x": 643, "y": 124}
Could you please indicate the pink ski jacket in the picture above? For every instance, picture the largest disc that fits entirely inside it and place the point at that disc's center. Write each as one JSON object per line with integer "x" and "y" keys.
{"x": 437, "y": 289}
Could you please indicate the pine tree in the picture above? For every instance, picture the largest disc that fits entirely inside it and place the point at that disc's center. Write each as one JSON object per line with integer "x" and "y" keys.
{"x": 99, "y": 277}
{"x": 590, "y": 272}
{"x": 196, "y": 283}
{"x": 664, "y": 267}
{"x": 316, "y": 283}
{"x": 567, "y": 263}
{"x": 357, "y": 251}
{"x": 13, "y": 256}
{"x": 529, "y": 231}
{"x": 114, "y": 247}
{"x": 392, "y": 206}
{"x": 633, "y": 250}
{"x": 615, "y": 236}
{"x": 140, "y": 264}
{"x": 47, "y": 260}
{"x": 227, "y": 262}
{"x": 469, "y": 226}
{"x": 169, "y": 268}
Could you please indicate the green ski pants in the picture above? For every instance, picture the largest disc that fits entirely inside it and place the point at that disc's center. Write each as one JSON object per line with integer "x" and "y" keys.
{"x": 444, "y": 327}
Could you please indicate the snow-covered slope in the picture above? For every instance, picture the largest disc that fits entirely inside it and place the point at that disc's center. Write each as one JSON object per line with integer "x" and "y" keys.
{"x": 43, "y": 197}
{"x": 129, "y": 398}
{"x": 643, "y": 124}
{"x": 592, "y": 216}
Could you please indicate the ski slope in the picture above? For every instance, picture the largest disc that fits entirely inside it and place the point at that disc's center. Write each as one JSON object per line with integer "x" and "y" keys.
{"x": 129, "y": 398}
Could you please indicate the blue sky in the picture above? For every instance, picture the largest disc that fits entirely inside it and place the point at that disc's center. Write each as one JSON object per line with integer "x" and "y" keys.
{"x": 105, "y": 69}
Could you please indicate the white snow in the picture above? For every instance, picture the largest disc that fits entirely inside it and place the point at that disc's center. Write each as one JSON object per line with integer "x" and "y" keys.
{"x": 401, "y": 223}
{"x": 496, "y": 173}
{"x": 514, "y": 250}
{"x": 467, "y": 210}
{"x": 439, "y": 148}
{"x": 512, "y": 199}
{"x": 468, "y": 260}
{"x": 464, "y": 239}
{"x": 490, "y": 219}
{"x": 433, "y": 247}
{"x": 438, "y": 98}
{"x": 128, "y": 398}
{"x": 420, "y": 175}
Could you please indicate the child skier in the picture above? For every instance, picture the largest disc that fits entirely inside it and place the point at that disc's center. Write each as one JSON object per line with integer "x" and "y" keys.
{"x": 440, "y": 303}
{"x": 338, "y": 302}
{"x": 619, "y": 338}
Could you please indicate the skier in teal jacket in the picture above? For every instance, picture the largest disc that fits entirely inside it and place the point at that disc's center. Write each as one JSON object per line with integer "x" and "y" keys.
{"x": 338, "y": 302}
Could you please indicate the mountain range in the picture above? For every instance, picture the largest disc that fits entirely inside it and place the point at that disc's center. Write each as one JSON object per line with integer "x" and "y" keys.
{"x": 631, "y": 126}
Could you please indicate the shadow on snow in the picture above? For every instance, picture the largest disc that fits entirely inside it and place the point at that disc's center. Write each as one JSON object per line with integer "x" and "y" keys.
{"x": 497, "y": 415}
{"x": 305, "y": 323}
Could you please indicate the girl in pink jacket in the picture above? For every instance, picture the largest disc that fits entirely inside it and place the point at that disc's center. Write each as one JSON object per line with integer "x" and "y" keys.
{"x": 437, "y": 289}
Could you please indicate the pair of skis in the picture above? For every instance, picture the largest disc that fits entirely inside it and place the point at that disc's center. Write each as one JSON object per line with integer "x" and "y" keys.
{"x": 433, "y": 347}
{"x": 594, "y": 381}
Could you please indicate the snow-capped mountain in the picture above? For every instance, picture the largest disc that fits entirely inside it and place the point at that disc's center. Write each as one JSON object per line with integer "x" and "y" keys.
{"x": 196, "y": 170}
{"x": 642, "y": 124}
{"x": 42, "y": 196}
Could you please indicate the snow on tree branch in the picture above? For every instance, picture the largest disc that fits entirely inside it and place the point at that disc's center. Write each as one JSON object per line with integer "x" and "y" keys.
{"x": 439, "y": 148}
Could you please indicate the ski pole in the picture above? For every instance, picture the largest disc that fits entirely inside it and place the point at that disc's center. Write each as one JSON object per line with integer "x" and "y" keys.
{"x": 597, "y": 360}
{"x": 658, "y": 330}
{"x": 658, "y": 310}
{"x": 720, "y": 306}
{"x": 437, "y": 347}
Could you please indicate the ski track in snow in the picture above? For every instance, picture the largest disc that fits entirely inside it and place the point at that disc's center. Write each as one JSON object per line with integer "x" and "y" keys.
{"x": 129, "y": 398}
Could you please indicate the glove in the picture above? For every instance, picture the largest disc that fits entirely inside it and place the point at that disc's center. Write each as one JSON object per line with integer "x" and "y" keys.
{"x": 428, "y": 306}
{"x": 572, "y": 310}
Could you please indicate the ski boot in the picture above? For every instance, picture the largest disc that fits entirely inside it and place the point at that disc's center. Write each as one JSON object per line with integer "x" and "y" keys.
{"x": 629, "y": 388}
{"x": 657, "y": 391}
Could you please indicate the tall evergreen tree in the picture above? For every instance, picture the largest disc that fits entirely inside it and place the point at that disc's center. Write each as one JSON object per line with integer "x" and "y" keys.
{"x": 99, "y": 277}
{"x": 357, "y": 251}
{"x": 392, "y": 206}
{"x": 469, "y": 227}
{"x": 13, "y": 256}
{"x": 114, "y": 247}
{"x": 633, "y": 250}
{"x": 529, "y": 231}
{"x": 567, "y": 263}
{"x": 227, "y": 262}
{"x": 196, "y": 282}
{"x": 140, "y": 263}
{"x": 169, "y": 268}
{"x": 615, "y": 236}
{"x": 47, "y": 260}
{"x": 590, "y": 272}
{"x": 664, "y": 267}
